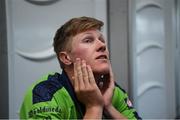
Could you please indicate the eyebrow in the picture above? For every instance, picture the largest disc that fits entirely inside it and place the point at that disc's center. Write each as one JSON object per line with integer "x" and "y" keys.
{"x": 101, "y": 35}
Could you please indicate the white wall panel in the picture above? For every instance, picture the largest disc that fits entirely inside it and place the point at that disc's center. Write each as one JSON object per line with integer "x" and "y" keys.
{"x": 153, "y": 66}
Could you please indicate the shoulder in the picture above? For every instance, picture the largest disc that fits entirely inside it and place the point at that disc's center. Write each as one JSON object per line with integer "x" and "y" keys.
{"x": 44, "y": 97}
{"x": 46, "y": 88}
{"x": 122, "y": 103}
{"x": 119, "y": 91}
{"x": 121, "y": 96}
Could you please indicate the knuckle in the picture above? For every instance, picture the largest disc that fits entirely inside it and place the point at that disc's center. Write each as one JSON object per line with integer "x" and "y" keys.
{"x": 91, "y": 89}
{"x": 82, "y": 88}
{"x": 76, "y": 89}
{"x": 85, "y": 77}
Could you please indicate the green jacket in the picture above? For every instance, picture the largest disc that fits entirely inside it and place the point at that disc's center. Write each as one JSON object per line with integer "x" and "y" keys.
{"x": 53, "y": 97}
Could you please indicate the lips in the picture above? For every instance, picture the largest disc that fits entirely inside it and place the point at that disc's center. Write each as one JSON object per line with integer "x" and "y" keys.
{"x": 102, "y": 57}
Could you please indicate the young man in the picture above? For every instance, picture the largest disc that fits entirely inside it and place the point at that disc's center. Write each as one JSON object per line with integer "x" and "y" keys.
{"x": 86, "y": 87}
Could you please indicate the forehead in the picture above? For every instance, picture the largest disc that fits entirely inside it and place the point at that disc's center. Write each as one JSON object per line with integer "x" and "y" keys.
{"x": 89, "y": 32}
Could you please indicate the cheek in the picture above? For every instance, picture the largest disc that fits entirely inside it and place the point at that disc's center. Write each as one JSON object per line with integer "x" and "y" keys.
{"x": 80, "y": 53}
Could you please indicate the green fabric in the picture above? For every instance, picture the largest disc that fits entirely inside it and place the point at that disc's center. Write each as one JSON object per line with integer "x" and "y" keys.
{"x": 61, "y": 106}
{"x": 119, "y": 101}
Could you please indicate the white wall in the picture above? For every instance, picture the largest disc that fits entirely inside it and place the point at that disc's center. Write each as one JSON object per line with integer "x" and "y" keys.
{"x": 118, "y": 36}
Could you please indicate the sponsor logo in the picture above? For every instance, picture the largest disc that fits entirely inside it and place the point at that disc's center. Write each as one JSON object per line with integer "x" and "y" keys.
{"x": 43, "y": 110}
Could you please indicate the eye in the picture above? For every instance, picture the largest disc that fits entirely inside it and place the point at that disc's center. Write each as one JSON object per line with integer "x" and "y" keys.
{"x": 102, "y": 39}
{"x": 88, "y": 40}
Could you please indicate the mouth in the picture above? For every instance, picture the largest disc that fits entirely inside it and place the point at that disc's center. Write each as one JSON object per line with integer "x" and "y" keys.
{"x": 103, "y": 57}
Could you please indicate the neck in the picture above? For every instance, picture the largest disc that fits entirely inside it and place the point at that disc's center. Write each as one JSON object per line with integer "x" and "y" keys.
{"x": 70, "y": 74}
{"x": 98, "y": 77}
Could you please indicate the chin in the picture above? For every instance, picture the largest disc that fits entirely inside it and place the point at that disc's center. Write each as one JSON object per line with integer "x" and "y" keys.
{"x": 101, "y": 70}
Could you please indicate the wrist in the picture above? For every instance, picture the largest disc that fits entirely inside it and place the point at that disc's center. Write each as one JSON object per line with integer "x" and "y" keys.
{"x": 95, "y": 109}
{"x": 93, "y": 112}
{"x": 108, "y": 107}
{"x": 112, "y": 113}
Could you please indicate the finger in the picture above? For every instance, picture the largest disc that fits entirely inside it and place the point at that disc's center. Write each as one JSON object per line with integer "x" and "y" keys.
{"x": 76, "y": 83}
{"x": 90, "y": 74}
{"x": 85, "y": 73}
{"x": 111, "y": 75}
{"x": 79, "y": 73}
{"x": 110, "y": 71}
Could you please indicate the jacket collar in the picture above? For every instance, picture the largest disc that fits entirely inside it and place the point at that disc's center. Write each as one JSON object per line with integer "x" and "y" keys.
{"x": 65, "y": 81}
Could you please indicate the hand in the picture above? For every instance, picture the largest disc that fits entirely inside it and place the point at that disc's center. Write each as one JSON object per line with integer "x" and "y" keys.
{"x": 85, "y": 86}
{"x": 108, "y": 88}
{"x": 107, "y": 92}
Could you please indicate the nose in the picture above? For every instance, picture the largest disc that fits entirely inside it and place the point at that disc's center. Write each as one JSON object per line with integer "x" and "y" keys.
{"x": 101, "y": 46}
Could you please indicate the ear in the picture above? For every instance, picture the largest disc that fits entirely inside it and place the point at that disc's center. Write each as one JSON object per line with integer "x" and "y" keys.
{"x": 65, "y": 58}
